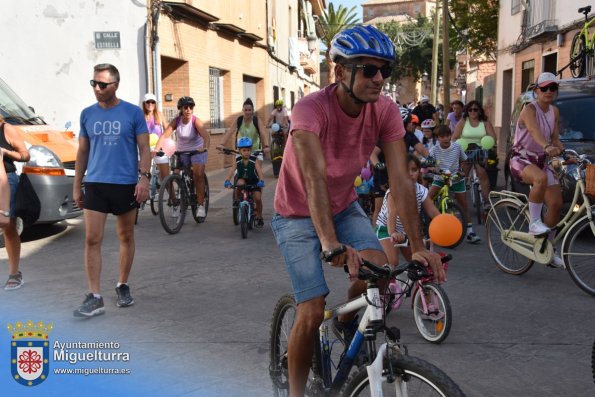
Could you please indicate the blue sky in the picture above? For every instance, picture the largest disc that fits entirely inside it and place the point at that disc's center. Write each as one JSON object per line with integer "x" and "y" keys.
{"x": 349, "y": 4}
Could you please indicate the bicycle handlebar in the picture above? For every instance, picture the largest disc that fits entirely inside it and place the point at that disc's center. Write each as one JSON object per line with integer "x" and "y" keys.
{"x": 414, "y": 269}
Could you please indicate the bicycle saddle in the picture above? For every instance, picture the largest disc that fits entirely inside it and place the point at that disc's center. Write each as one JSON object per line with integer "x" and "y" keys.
{"x": 584, "y": 10}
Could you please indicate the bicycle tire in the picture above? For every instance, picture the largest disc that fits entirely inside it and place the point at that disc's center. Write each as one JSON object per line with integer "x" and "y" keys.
{"x": 154, "y": 206}
{"x": 419, "y": 376}
{"x": 235, "y": 210}
{"x": 578, "y": 253}
{"x": 244, "y": 221}
{"x": 578, "y": 56}
{"x": 452, "y": 207}
{"x": 593, "y": 361}
{"x": 477, "y": 202}
{"x": 171, "y": 215}
{"x": 500, "y": 218}
{"x": 201, "y": 219}
{"x": 434, "y": 325}
{"x": 281, "y": 324}
{"x": 276, "y": 156}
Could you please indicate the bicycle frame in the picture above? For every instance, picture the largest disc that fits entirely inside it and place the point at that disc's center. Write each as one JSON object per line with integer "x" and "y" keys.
{"x": 585, "y": 33}
{"x": 373, "y": 313}
{"x": 519, "y": 241}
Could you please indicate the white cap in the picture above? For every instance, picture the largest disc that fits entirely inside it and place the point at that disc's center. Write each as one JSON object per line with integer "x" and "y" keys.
{"x": 425, "y": 98}
{"x": 150, "y": 97}
{"x": 546, "y": 79}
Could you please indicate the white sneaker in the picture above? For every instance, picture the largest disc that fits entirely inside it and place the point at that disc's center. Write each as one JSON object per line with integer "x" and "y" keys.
{"x": 537, "y": 227}
{"x": 201, "y": 211}
{"x": 557, "y": 261}
{"x": 175, "y": 212}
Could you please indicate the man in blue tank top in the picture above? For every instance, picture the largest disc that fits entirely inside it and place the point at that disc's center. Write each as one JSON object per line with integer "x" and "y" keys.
{"x": 113, "y": 137}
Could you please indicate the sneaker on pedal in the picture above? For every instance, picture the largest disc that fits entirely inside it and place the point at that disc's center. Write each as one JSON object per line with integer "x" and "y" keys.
{"x": 556, "y": 262}
{"x": 175, "y": 212}
{"x": 124, "y": 298}
{"x": 537, "y": 227}
{"x": 91, "y": 306}
{"x": 201, "y": 212}
{"x": 473, "y": 238}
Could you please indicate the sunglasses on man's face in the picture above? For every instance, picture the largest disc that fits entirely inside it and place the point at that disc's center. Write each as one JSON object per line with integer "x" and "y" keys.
{"x": 371, "y": 70}
{"x": 101, "y": 84}
{"x": 551, "y": 87}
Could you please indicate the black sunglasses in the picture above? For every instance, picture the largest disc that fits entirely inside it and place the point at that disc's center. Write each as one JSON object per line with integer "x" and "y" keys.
{"x": 371, "y": 70}
{"x": 101, "y": 84}
{"x": 188, "y": 107}
{"x": 551, "y": 87}
{"x": 473, "y": 110}
{"x": 152, "y": 102}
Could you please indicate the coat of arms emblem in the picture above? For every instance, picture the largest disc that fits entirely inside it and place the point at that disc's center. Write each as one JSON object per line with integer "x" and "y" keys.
{"x": 29, "y": 352}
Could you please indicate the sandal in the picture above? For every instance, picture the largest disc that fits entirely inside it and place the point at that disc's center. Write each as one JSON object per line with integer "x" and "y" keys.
{"x": 15, "y": 281}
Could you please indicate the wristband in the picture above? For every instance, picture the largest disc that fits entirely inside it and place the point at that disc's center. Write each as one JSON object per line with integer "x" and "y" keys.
{"x": 327, "y": 256}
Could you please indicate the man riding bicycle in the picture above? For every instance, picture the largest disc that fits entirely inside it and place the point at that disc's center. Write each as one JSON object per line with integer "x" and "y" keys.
{"x": 332, "y": 135}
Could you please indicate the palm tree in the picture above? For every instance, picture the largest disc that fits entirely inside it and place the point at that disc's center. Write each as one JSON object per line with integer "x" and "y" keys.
{"x": 333, "y": 22}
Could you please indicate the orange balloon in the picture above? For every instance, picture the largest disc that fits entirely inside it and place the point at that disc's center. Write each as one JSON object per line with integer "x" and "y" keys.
{"x": 445, "y": 230}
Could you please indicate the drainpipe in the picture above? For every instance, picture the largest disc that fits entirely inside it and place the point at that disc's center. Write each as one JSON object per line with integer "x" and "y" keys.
{"x": 155, "y": 12}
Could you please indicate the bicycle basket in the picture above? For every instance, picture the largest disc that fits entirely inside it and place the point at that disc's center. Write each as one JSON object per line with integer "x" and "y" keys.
{"x": 174, "y": 162}
{"x": 590, "y": 180}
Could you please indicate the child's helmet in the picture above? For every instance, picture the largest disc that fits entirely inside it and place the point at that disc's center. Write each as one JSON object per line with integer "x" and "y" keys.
{"x": 428, "y": 123}
{"x": 244, "y": 142}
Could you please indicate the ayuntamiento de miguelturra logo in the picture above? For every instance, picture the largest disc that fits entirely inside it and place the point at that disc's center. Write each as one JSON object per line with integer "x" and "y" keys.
{"x": 29, "y": 352}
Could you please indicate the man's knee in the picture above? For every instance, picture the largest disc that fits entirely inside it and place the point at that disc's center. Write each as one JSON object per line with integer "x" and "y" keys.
{"x": 311, "y": 313}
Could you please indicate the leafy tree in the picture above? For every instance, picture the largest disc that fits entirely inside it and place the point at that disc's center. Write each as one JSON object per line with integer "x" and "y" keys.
{"x": 333, "y": 21}
{"x": 474, "y": 26}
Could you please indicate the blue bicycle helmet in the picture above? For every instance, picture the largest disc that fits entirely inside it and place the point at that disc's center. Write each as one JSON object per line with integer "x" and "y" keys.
{"x": 244, "y": 142}
{"x": 362, "y": 41}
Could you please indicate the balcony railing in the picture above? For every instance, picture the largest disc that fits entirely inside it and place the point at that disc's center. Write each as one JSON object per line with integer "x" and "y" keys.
{"x": 540, "y": 18}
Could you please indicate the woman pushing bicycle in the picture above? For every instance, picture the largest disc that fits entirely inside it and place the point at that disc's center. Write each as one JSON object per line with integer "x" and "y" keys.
{"x": 536, "y": 138}
{"x": 249, "y": 172}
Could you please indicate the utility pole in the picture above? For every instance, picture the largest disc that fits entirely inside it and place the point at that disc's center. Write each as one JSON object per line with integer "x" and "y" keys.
{"x": 445, "y": 55}
{"x": 434, "y": 71}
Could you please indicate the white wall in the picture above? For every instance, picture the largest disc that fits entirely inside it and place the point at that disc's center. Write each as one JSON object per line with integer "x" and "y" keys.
{"x": 48, "y": 52}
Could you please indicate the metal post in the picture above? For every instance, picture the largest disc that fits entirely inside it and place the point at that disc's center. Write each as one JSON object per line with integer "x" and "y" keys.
{"x": 445, "y": 55}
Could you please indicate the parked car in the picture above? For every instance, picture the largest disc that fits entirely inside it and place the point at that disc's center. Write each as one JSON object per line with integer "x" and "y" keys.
{"x": 53, "y": 154}
{"x": 576, "y": 102}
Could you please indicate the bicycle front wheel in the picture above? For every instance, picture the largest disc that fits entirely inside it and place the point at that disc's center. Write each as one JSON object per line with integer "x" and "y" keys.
{"x": 244, "y": 220}
{"x": 578, "y": 253}
{"x": 281, "y": 324}
{"x": 578, "y": 56}
{"x": 413, "y": 377}
{"x": 433, "y": 322}
{"x": 173, "y": 201}
{"x": 506, "y": 216}
{"x": 477, "y": 202}
{"x": 452, "y": 207}
{"x": 276, "y": 156}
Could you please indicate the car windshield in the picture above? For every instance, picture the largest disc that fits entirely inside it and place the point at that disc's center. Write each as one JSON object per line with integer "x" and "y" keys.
{"x": 575, "y": 122}
{"x": 13, "y": 109}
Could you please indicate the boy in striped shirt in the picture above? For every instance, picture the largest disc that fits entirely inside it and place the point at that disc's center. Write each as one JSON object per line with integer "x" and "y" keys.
{"x": 448, "y": 156}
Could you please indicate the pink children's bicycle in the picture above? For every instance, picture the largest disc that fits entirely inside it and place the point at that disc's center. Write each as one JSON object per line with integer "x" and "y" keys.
{"x": 430, "y": 304}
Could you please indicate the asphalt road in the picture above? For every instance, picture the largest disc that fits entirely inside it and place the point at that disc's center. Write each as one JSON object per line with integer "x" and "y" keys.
{"x": 204, "y": 300}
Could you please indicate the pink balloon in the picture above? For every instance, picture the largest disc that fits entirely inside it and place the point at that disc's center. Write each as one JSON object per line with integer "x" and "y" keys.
{"x": 169, "y": 146}
{"x": 365, "y": 173}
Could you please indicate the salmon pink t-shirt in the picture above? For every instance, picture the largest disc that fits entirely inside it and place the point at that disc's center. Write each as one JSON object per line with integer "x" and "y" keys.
{"x": 347, "y": 143}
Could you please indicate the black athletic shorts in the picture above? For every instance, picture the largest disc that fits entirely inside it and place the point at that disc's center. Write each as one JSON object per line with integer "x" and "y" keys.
{"x": 109, "y": 198}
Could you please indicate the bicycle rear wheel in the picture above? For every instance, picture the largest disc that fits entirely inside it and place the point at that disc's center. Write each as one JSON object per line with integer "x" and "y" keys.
{"x": 502, "y": 218}
{"x": 433, "y": 324}
{"x": 452, "y": 207}
{"x": 578, "y": 56}
{"x": 578, "y": 253}
{"x": 281, "y": 324}
{"x": 413, "y": 377}
{"x": 173, "y": 201}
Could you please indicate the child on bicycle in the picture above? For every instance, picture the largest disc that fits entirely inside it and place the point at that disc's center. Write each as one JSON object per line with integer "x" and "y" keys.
{"x": 249, "y": 172}
{"x": 449, "y": 156}
{"x": 389, "y": 229}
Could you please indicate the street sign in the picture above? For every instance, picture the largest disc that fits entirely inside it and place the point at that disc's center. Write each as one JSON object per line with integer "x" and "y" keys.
{"x": 107, "y": 40}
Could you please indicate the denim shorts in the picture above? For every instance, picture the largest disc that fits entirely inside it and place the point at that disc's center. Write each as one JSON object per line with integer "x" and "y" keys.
{"x": 13, "y": 182}
{"x": 300, "y": 247}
